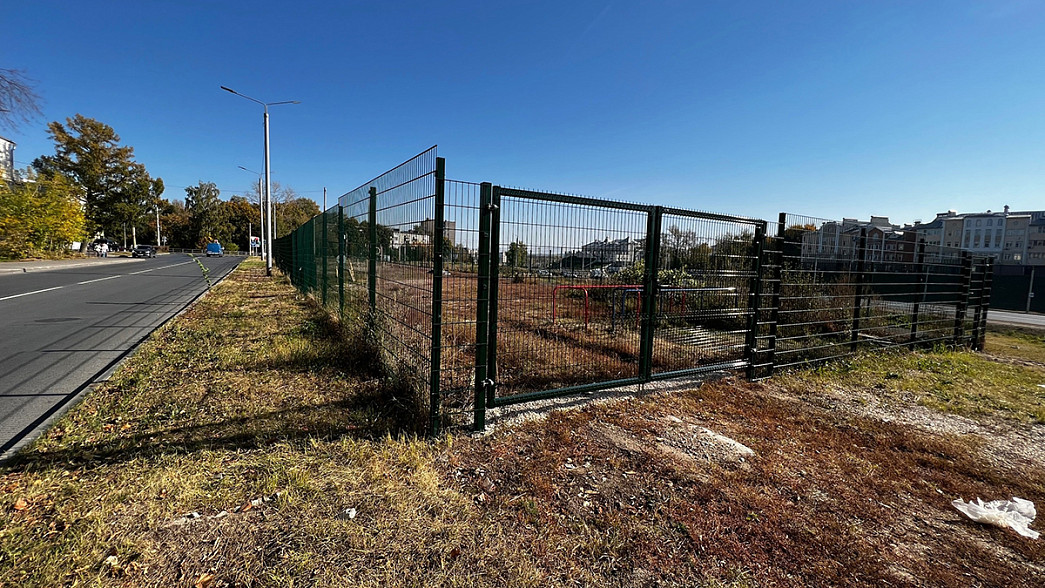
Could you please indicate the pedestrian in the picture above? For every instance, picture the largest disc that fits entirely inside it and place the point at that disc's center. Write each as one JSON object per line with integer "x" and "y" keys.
{"x": 104, "y": 249}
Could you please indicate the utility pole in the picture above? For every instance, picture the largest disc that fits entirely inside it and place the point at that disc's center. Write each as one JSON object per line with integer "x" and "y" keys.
{"x": 157, "y": 226}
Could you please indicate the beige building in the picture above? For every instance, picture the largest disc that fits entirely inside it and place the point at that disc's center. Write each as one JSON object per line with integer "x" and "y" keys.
{"x": 1036, "y": 239}
{"x": 1011, "y": 237}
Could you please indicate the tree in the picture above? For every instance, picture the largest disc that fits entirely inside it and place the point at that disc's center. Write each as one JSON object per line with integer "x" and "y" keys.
{"x": 290, "y": 210}
{"x": 177, "y": 225}
{"x": 19, "y": 102}
{"x": 39, "y": 215}
{"x": 684, "y": 250}
{"x": 117, "y": 191}
{"x": 207, "y": 221}
{"x": 243, "y": 218}
{"x": 516, "y": 255}
{"x": 293, "y": 213}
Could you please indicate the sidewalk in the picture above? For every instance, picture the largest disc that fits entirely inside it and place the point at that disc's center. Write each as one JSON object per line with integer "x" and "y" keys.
{"x": 18, "y": 267}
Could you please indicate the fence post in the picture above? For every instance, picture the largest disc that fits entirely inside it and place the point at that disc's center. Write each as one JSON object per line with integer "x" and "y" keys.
{"x": 778, "y": 273}
{"x": 482, "y": 306}
{"x": 435, "y": 404}
{"x": 985, "y": 301}
{"x": 919, "y": 269}
{"x": 294, "y": 254}
{"x": 372, "y": 257}
{"x": 962, "y": 308}
{"x": 977, "y": 310}
{"x": 341, "y": 262}
{"x": 495, "y": 271}
{"x": 861, "y": 257}
{"x": 754, "y": 302}
{"x": 648, "y": 321}
{"x": 1030, "y": 289}
{"x": 324, "y": 240}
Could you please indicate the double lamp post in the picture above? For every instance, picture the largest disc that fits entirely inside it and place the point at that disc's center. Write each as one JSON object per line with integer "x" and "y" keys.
{"x": 268, "y": 228}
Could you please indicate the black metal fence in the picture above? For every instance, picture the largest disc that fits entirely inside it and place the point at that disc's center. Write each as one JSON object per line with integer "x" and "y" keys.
{"x": 488, "y": 296}
{"x": 1020, "y": 288}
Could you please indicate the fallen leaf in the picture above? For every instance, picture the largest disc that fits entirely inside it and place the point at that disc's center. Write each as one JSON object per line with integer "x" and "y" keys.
{"x": 206, "y": 580}
{"x": 21, "y": 504}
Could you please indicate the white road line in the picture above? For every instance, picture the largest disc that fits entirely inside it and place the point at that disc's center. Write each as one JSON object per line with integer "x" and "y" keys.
{"x": 99, "y": 280}
{"x": 30, "y": 293}
{"x": 92, "y": 281}
{"x": 158, "y": 268}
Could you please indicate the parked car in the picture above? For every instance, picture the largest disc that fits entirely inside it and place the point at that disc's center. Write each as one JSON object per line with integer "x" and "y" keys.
{"x": 215, "y": 250}
{"x": 598, "y": 273}
{"x": 544, "y": 273}
{"x": 143, "y": 251}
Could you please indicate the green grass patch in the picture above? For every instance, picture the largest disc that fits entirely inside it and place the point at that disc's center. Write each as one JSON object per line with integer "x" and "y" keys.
{"x": 1022, "y": 345}
{"x": 960, "y": 382}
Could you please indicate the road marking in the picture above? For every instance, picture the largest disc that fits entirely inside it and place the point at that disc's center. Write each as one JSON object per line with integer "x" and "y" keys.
{"x": 158, "y": 268}
{"x": 90, "y": 281}
{"x": 29, "y": 293}
{"x": 99, "y": 280}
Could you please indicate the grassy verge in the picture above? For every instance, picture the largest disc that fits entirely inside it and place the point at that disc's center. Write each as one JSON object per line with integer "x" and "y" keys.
{"x": 251, "y": 443}
{"x": 972, "y": 385}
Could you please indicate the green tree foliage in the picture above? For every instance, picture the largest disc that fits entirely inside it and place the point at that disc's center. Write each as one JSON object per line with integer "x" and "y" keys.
{"x": 42, "y": 215}
{"x": 516, "y": 255}
{"x": 118, "y": 192}
{"x": 207, "y": 214}
{"x": 244, "y": 219}
{"x": 177, "y": 225}
{"x": 682, "y": 249}
{"x": 293, "y": 213}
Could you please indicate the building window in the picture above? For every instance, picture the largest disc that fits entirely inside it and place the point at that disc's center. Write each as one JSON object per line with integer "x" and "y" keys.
{"x": 990, "y": 222}
{"x": 978, "y": 221}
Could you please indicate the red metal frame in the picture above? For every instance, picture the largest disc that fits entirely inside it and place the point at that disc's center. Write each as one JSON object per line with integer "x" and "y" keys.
{"x": 585, "y": 288}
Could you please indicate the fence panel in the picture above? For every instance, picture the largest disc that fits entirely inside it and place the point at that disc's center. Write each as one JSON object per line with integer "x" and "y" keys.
{"x": 846, "y": 285}
{"x": 707, "y": 274}
{"x": 560, "y": 267}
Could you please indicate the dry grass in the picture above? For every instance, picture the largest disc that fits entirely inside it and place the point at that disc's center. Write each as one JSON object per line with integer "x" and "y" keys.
{"x": 256, "y": 413}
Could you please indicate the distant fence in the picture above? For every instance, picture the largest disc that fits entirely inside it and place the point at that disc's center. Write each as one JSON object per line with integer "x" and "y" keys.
{"x": 1019, "y": 288}
{"x": 488, "y": 296}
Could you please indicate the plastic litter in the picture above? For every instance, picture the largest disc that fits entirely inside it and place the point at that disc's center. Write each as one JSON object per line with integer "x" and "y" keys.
{"x": 1016, "y": 514}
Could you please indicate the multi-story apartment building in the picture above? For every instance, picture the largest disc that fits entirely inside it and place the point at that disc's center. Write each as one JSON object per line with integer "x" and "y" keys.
{"x": 1035, "y": 238}
{"x": 1011, "y": 237}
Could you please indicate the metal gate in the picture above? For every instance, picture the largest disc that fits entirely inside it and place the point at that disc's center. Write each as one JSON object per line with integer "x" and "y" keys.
{"x": 578, "y": 294}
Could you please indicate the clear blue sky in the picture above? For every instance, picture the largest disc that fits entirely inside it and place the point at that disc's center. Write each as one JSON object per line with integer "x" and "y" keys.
{"x": 821, "y": 108}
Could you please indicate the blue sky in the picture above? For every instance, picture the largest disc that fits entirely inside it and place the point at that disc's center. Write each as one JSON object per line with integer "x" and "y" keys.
{"x": 826, "y": 109}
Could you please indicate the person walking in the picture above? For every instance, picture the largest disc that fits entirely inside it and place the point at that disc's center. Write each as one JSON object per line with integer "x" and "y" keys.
{"x": 103, "y": 249}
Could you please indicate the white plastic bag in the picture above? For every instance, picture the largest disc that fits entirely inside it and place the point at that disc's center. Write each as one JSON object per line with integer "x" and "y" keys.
{"x": 1017, "y": 514}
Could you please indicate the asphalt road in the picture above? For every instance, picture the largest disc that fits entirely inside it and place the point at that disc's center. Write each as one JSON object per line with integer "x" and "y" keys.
{"x": 65, "y": 329}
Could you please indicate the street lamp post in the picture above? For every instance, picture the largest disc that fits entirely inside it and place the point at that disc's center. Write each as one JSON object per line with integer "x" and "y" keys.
{"x": 268, "y": 183}
{"x": 261, "y": 209}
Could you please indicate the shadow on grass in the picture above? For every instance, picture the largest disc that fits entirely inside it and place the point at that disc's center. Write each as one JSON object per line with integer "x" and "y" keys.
{"x": 381, "y": 404}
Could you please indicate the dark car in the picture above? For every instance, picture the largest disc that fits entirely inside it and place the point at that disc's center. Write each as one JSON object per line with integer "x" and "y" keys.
{"x": 143, "y": 251}
{"x": 214, "y": 250}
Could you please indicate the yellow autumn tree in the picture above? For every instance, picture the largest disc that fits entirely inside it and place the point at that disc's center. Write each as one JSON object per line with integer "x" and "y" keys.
{"x": 40, "y": 215}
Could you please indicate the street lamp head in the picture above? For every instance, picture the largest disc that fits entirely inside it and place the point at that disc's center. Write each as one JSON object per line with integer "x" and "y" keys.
{"x": 227, "y": 89}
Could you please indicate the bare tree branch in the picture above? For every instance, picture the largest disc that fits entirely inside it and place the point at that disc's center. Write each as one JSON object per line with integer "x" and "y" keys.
{"x": 19, "y": 102}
